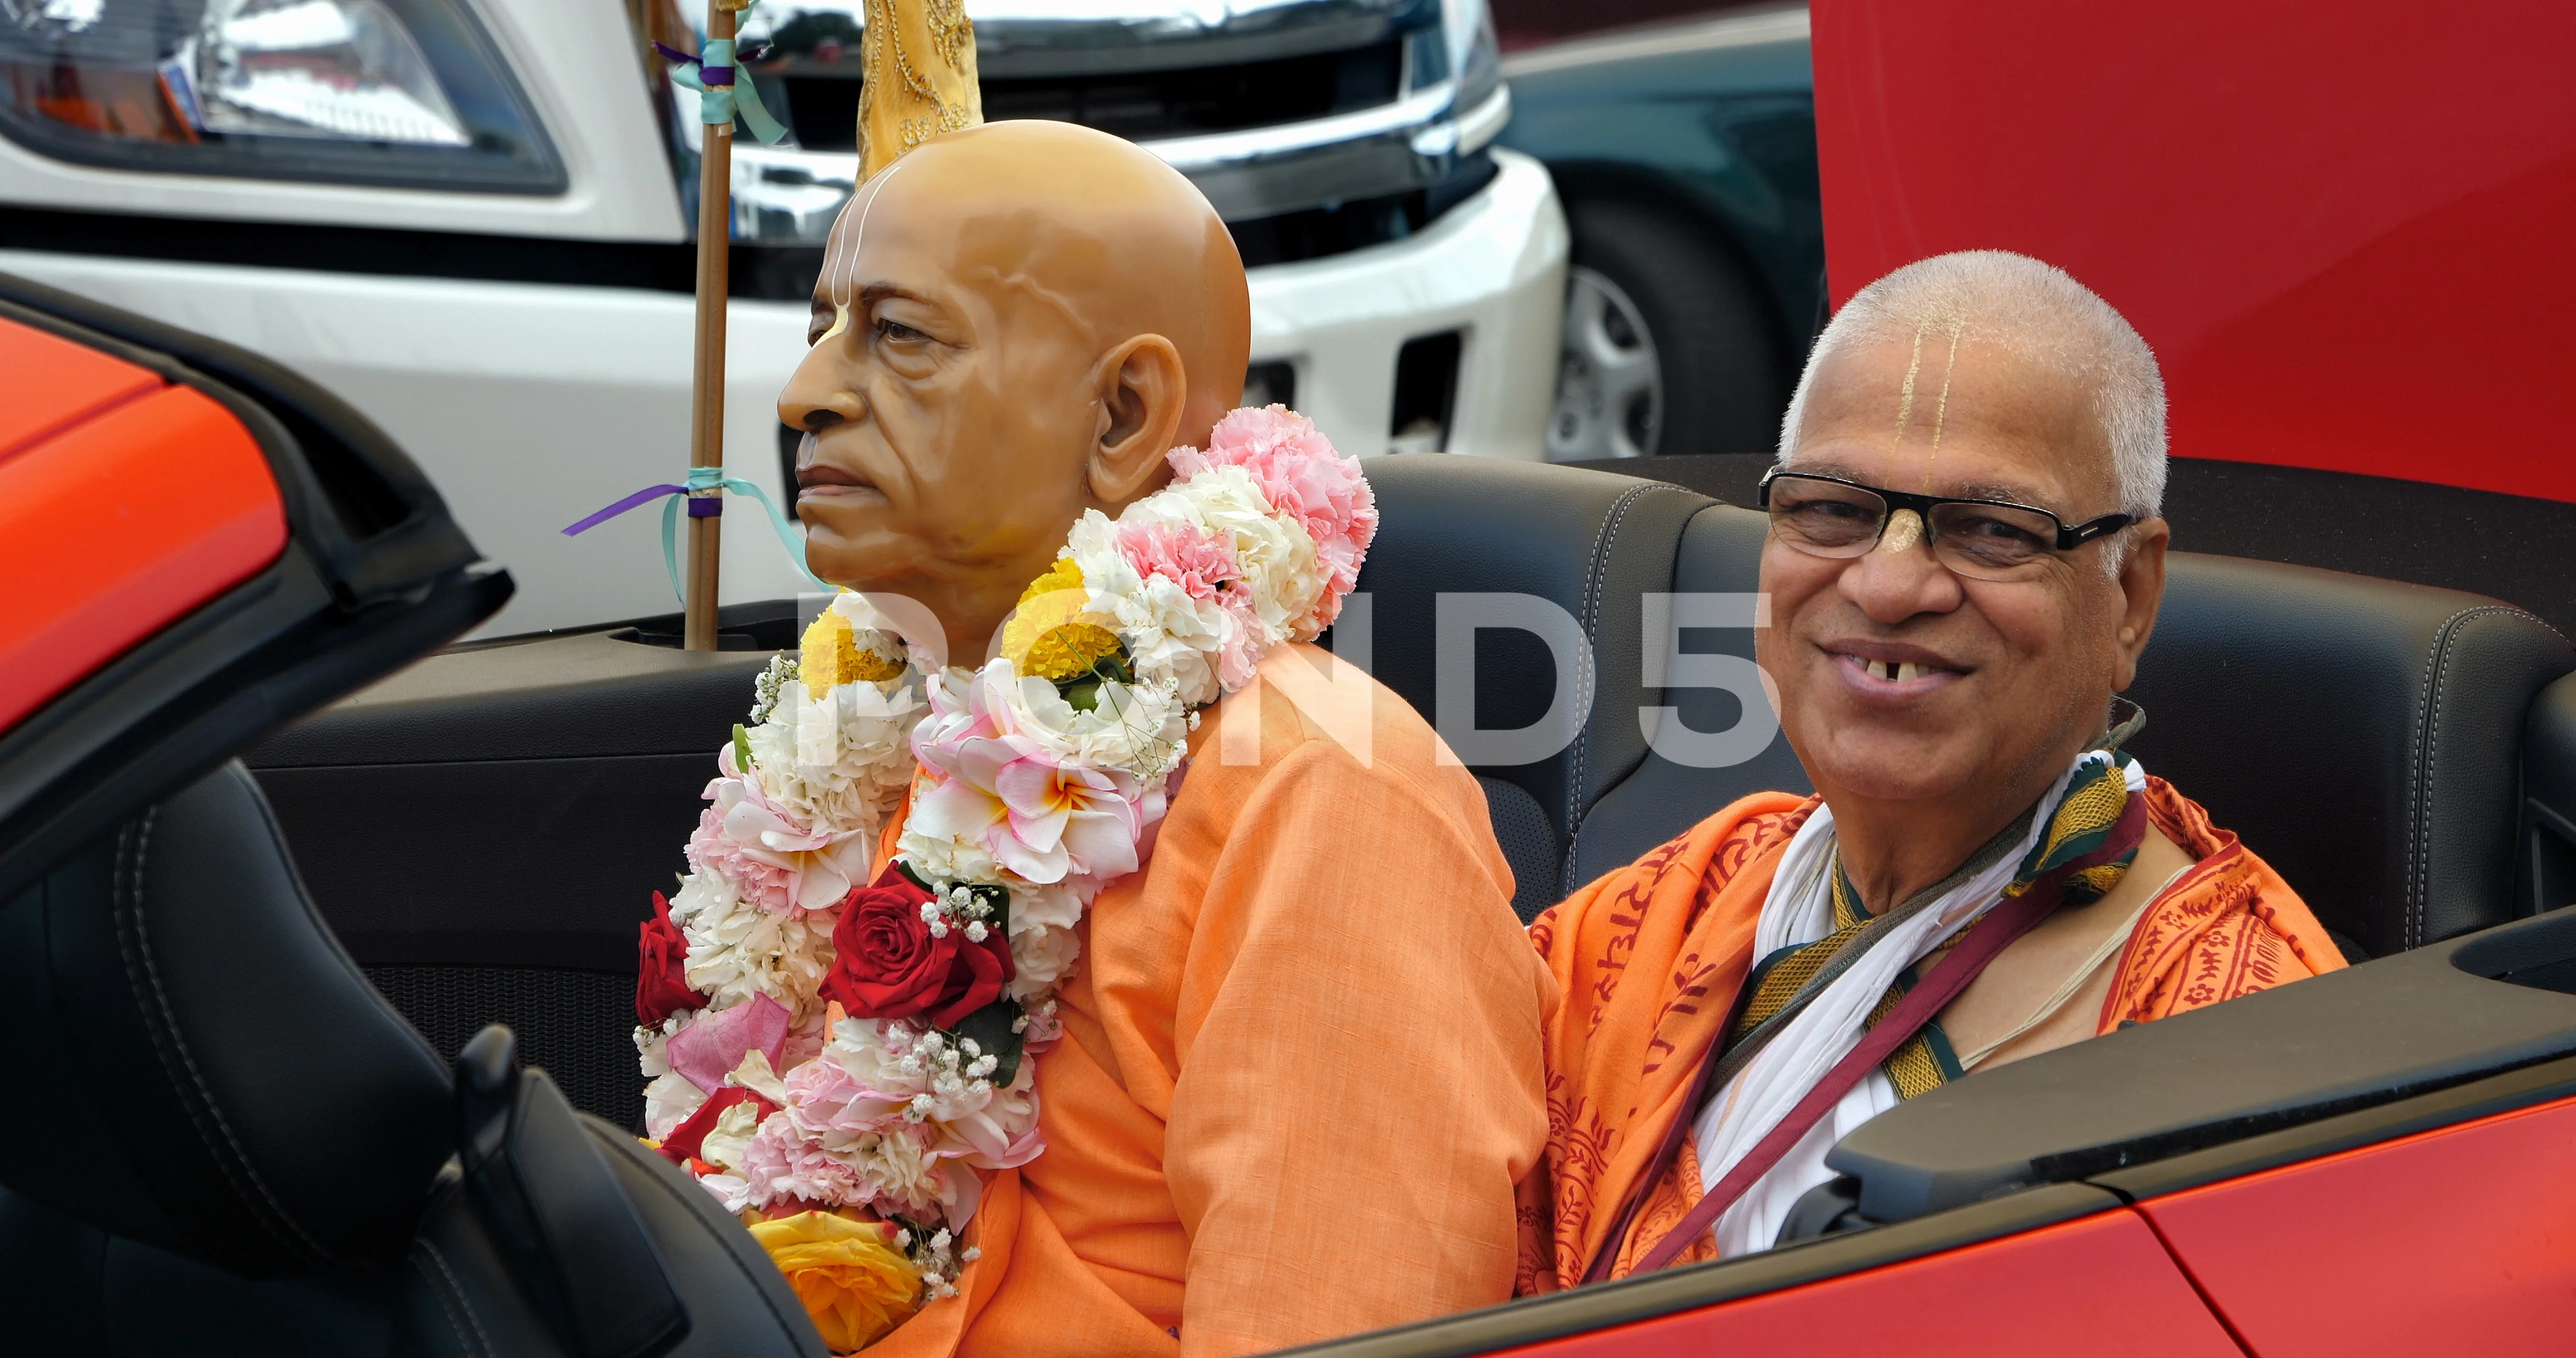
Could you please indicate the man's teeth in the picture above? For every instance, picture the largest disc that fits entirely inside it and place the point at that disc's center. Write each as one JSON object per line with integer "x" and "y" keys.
{"x": 1893, "y": 671}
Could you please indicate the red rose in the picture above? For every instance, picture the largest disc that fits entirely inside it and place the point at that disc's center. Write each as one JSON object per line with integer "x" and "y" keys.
{"x": 683, "y": 1143}
{"x": 887, "y": 965}
{"x": 662, "y": 956}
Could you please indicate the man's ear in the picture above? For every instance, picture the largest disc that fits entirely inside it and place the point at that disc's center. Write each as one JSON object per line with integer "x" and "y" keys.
{"x": 1141, "y": 388}
{"x": 2142, "y": 587}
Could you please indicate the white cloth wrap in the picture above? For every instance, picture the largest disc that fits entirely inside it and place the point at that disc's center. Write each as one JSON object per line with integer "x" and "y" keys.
{"x": 1800, "y": 909}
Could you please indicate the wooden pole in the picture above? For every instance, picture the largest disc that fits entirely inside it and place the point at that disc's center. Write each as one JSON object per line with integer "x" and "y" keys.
{"x": 706, "y": 410}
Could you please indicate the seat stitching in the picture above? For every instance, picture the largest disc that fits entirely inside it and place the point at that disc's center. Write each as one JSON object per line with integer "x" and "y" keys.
{"x": 451, "y": 1299}
{"x": 2419, "y": 867}
{"x": 161, "y": 1021}
{"x": 1587, "y": 622}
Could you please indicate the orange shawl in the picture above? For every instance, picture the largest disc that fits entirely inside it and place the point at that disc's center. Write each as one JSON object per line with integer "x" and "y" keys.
{"x": 1649, "y": 957}
{"x": 1301, "y": 1069}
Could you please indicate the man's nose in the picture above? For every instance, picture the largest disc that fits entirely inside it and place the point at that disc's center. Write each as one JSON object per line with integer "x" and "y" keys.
{"x": 822, "y": 391}
{"x": 1899, "y": 577}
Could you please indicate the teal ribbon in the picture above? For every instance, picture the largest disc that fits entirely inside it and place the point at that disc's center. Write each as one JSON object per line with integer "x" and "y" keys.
{"x": 718, "y": 104}
{"x": 706, "y": 485}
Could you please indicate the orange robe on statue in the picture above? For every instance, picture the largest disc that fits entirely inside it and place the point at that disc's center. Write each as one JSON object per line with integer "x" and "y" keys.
{"x": 1649, "y": 958}
{"x": 1301, "y": 1072}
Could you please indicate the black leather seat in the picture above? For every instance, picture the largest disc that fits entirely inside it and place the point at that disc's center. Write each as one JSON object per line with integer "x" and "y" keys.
{"x": 2365, "y": 736}
{"x": 225, "y": 1142}
{"x": 1590, "y": 544}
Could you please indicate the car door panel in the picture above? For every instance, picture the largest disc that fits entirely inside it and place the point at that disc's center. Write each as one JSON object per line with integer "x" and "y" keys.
{"x": 2456, "y": 1240}
{"x": 531, "y": 404}
{"x": 2099, "y": 1285}
{"x": 485, "y": 830}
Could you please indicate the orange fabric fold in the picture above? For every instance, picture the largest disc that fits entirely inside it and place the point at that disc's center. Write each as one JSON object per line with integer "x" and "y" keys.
{"x": 1650, "y": 957}
{"x": 1301, "y": 1073}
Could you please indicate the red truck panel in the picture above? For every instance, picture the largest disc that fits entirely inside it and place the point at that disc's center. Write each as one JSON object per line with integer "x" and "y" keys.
{"x": 2343, "y": 224}
{"x": 111, "y": 530}
{"x": 2461, "y": 1240}
{"x": 2100, "y": 1286}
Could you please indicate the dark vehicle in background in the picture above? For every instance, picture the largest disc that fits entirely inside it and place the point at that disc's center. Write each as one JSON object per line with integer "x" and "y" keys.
{"x": 1685, "y": 155}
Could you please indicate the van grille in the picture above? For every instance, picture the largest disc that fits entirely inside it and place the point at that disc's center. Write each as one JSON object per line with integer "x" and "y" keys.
{"x": 823, "y": 109}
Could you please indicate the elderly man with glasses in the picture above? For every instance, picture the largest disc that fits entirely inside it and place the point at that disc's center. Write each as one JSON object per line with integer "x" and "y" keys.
{"x": 1965, "y": 561}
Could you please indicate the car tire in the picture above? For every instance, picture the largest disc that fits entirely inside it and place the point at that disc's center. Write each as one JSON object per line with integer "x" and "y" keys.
{"x": 1667, "y": 346}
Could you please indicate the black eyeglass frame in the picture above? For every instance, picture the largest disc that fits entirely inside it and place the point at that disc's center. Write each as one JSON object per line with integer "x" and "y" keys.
{"x": 2068, "y": 539}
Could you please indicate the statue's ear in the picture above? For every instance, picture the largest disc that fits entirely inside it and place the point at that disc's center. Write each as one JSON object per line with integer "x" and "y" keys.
{"x": 1141, "y": 389}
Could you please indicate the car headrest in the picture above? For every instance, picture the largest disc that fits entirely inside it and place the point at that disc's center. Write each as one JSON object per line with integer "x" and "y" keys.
{"x": 206, "y": 1070}
{"x": 2364, "y": 736}
{"x": 1591, "y": 545}
{"x": 1720, "y": 554}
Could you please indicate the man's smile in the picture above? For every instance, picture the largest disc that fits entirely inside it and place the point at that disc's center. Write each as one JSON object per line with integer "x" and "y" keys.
{"x": 1888, "y": 671}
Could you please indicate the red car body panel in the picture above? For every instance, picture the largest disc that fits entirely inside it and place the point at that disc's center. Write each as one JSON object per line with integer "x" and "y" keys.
{"x": 125, "y": 502}
{"x": 2457, "y": 1240}
{"x": 55, "y": 384}
{"x": 2099, "y": 1286}
{"x": 2344, "y": 226}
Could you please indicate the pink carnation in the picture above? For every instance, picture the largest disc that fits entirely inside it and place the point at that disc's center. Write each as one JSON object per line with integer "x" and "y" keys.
{"x": 759, "y": 881}
{"x": 1302, "y": 477}
{"x": 1202, "y": 562}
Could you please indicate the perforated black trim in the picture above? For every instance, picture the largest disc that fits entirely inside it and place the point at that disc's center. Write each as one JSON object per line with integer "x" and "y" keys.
{"x": 578, "y": 1025}
{"x": 1520, "y": 826}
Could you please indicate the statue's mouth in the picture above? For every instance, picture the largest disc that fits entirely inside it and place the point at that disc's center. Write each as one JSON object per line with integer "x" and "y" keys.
{"x": 817, "y": 481}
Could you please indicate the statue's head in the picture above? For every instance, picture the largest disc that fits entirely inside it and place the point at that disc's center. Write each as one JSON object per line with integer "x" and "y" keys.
{"x": 1014, "y": 324}
{"x": 1952, "y": 653}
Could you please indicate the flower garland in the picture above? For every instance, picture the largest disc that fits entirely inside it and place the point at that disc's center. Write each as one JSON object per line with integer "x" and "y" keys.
{"x": 819, "y": 1043}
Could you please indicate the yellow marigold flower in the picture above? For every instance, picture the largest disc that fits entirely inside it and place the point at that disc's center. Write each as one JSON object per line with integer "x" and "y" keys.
{"x": 1050, "y": 635}
{"x": 853, "y": 1281}
{"x": 1064, "y": 574}
{"x": 831, "y": 657}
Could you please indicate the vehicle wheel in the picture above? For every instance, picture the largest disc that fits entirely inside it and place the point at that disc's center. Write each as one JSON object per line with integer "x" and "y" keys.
{"x": 1666, "y": 349}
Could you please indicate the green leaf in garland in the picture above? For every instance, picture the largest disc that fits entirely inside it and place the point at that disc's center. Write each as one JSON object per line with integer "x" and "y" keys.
{"x": 992, "y": 1027}
{"x": 1082, "y": 691}
{"x": 741, "y": 748}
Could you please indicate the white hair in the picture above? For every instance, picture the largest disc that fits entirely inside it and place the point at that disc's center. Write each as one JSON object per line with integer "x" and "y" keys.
{"x": 2039, "y": 313}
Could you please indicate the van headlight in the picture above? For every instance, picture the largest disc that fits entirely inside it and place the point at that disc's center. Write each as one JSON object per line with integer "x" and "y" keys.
{"x": 409, "y": 92}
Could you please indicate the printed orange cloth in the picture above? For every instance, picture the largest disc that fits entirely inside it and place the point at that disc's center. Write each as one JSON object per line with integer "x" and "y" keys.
{"x": 1301, "y": 1073}
{"x": 1649, "y": 958}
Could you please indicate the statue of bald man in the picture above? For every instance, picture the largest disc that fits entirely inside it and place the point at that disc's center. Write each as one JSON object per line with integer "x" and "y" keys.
{"x": 1301, "y": 1070}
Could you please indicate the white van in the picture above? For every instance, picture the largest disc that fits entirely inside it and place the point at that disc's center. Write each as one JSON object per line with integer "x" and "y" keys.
{"x": 471, "y": 219}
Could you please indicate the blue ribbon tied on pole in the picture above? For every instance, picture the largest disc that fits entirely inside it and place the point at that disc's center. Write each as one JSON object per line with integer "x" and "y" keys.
{"x": 716, "y": 79}
{"x": 704, "y": 493}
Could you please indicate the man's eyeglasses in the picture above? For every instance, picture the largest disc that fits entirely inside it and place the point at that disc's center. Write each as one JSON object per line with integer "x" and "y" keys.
{"x": 1981, "y": 539}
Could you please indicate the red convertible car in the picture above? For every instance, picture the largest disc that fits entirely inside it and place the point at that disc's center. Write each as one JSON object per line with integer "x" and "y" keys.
{"x": 273, "y": 853}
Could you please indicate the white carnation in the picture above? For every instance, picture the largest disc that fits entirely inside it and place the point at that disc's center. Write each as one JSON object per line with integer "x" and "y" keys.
{"x": 1276, "y": 556}
{"x": 731, "y": 1136}
{"x": 668, "y": 1101}
{"x": 652, "y": 1044}
{"x": 840, "y": 762}
{"x": 1040, "y": 958}
{"x": 739, "y": 950}
{"x": 1055, "y": 905}
{"x": 944, "y": 858}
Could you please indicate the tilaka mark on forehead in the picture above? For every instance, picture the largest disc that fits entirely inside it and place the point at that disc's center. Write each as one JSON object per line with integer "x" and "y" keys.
{"x": 1941, "y": 406}
{"x": 1941, "y": 409}
{"x": 842, "y": 262}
